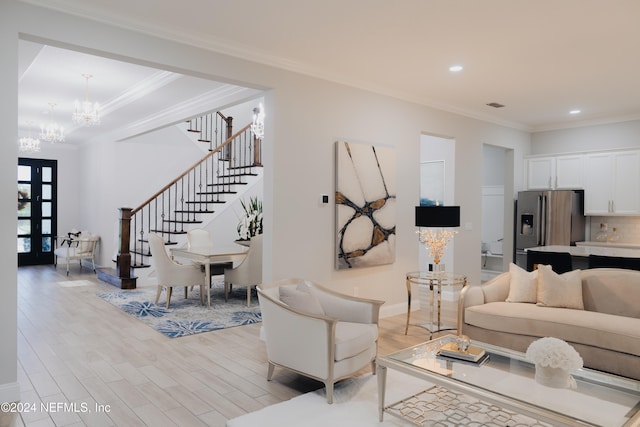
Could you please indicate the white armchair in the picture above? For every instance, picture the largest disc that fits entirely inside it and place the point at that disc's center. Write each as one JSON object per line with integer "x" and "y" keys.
{"x": 249, "y": 272}
{"x": 77, "y": 246}
{"x": 171, "y": 274}
{"x": 317, "y": 332}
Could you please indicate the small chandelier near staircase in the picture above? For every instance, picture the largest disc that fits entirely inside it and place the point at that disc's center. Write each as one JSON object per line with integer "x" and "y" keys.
{"x": 52, "y": 131}
{"x": 86, "y": 113}
{"x": 257, "y": 127}
{"x": 29, "y": 144}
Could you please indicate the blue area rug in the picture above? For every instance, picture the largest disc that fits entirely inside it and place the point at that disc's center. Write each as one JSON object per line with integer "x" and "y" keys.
{"x": 187, "y": 316}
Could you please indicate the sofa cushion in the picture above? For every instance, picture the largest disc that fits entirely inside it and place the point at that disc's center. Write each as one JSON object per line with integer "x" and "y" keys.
{"x": 523, "y": 285}
{"x": 300, "y": 298}
{"x": 559, "y": 290}
{"x": 354, "y": 338}
{"x": 616, "y": 333}
{"x": 611, "y": 290}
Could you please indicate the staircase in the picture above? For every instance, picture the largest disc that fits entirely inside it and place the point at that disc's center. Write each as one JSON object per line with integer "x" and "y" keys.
{"x": 189, "y": 199}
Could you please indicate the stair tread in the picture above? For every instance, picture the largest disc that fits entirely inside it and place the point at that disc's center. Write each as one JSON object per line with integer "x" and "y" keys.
{"x": 237, "y": 175}
{"x": 205, "y": 202}
{"x": 216, "y": 192}
{"x": 226, "y": 184}
{"x": 176, "y": 221}
{"x": 168, "y": 232}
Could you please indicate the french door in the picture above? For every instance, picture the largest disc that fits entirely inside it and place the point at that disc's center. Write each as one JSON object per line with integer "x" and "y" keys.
{"x": 37, "y": 210}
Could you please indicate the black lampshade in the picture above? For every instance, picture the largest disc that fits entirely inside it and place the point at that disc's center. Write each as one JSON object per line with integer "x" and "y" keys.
{"x": 437, "y": 216}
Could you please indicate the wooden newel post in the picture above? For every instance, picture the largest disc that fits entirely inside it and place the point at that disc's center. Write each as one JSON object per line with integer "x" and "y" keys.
{"x": 257, "y": 155}
{"x": 123, "y": 259}
{"x": 122, "y": 276}
{"x": 229, "y": 121}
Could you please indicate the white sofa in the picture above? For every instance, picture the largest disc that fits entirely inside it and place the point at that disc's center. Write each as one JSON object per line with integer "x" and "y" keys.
{"x": 606, "y": 332}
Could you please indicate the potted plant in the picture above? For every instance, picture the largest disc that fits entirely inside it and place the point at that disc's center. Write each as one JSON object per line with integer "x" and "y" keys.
{"x": 251, "y": 223}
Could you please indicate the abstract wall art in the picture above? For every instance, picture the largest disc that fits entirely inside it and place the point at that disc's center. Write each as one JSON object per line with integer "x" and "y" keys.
{"x": 365, "y": 205}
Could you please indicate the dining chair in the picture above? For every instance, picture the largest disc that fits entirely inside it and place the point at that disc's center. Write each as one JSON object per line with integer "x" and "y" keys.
{"x": 248, "y": 273}
{"x": 601, "y": 261}
{"x": 171, "y": 273}
{"x": 200, "y": 238}
{"x": 560, "y": 262}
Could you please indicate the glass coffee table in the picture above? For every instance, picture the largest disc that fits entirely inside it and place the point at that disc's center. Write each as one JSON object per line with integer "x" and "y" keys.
{"x": 506, "y": 379}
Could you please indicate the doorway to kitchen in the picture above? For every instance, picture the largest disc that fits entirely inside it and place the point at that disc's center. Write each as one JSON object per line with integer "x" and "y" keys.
{"x": 497, "y": 210}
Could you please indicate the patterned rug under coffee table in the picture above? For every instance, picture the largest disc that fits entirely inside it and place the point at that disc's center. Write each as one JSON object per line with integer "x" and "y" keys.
{"x": 187, "y": 316}
{"x": 438, "y": 406}
{"x": 355, "y": 404}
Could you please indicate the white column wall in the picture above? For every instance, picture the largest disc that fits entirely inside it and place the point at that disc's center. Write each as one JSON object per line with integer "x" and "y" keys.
{"x": 305, "y": 116}
{"x": 9, "y": 390}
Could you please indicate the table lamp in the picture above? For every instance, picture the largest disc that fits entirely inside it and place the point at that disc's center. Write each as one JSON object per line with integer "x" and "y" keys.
{"x": 434, "y": 237}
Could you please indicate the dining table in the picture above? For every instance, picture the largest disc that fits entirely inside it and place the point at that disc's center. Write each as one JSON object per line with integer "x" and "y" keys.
{"x": 206, "y": 256}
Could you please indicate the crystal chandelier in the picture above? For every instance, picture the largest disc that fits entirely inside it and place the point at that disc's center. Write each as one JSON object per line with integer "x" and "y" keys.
{"x": 52, "y": 132}
{"x": 257, "y": 127}
{"x": 86, "y": 113}
{"x": 29, "y": 144}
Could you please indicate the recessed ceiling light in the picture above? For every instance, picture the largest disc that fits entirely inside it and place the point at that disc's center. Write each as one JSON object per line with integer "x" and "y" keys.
{"x": 455, "y": 68}
{"x": 574, "y": 112}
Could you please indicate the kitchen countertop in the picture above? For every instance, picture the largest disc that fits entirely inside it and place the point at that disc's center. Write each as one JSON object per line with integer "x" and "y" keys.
{"x": 585, "y": 251}
{"x": 610, "y": 244}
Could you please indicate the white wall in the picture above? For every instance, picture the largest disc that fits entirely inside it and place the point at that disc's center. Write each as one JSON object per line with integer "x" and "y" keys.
{"x": 305, "y": 116}
{"x": 9, "y": 390}
{"x": 588, "y": 138}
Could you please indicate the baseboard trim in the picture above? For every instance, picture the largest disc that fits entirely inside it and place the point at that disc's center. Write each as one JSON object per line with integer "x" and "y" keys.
{"x": 393, "y": 310}
{"x": 9, "y": 392}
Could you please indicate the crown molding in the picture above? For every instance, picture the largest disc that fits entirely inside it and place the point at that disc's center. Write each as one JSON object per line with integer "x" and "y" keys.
{"x": 201, "y": 104}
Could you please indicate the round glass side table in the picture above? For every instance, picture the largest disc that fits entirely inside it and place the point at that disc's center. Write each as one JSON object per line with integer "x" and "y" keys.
{"x": 433, "y": 281}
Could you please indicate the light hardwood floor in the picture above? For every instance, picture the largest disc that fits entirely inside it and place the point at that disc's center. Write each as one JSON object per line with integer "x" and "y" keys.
{"x": 75, "y": 348}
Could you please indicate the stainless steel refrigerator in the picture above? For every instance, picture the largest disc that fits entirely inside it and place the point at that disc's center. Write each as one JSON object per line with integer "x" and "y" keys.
{"x": 551, "y": 217}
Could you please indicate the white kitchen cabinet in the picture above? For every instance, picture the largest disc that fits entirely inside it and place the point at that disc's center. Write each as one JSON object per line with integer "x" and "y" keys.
{"x": 612, "y": 182}
{"x": 541, "y": 173}
{"x": 555, "y": 172}
{"x": 569, "y": 172}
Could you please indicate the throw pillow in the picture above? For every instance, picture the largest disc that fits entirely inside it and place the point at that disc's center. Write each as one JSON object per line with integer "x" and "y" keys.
{"x": 523, "y": 285}
{"x": 559, "y": 290}
{"x": 300, "y": 300}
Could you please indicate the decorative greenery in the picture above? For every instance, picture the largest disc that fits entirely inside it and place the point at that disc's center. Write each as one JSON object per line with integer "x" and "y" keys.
{"x": 251, "y": 224}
